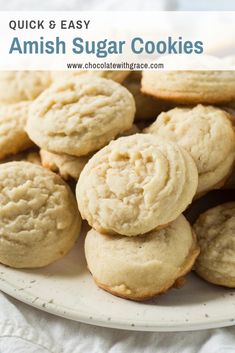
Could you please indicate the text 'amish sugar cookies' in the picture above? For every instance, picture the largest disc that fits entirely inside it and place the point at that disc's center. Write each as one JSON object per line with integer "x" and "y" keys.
{"x": 135, "y": 184}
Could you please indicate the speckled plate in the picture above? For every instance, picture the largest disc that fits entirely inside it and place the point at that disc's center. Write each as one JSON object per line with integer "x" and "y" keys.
{"x": 66, "y": 289}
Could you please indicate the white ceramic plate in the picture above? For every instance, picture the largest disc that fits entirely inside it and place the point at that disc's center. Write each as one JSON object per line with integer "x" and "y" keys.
{"x": 66, "y": 289}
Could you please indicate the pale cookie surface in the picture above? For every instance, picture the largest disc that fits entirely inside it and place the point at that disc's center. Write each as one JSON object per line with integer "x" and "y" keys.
{"x": 67, "y": 166}
{"x": 147, "y": 107}
{"x": 191, "y": 87}
{"x": 81, "y": 115}
{"x": 141, "y": 267}
{"x": 215, "y": 230}
{"x": 207, "y": 134}
{"x": 16, "y": 86}
{"x": 135, "y": 184}
{"x": 13, "y": 137}
{"x": 32, "y": 157}
{"x": 118, "y": 76}
{"x": 39, "y": 219}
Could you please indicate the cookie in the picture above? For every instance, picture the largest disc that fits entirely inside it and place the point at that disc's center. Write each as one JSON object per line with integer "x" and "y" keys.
{"x": 16, "y": 86}
{"x": 80, "y": 115}
{"x": 190, "y": 87}
{"x": 33, "y": 157}
{"x": 207, "y": 134}
{"x": 39, "y": 219}
{"x": 142, "y": 267}
{"x": 135, "y": 184}
{"x": 215, "y": 230}
{"x": 147, "y": 107}
{"x": 118, "y": 76}
{"x": 13, "y": 137}
{"x": 67, "y": 166}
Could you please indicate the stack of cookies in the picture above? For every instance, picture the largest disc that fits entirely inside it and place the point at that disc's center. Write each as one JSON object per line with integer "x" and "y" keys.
{"x": 141, "y": 148}
{"x": 133, "y": 193}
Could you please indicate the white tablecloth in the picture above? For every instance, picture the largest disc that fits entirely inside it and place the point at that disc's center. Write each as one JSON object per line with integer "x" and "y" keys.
{"x": 27, "y": 330}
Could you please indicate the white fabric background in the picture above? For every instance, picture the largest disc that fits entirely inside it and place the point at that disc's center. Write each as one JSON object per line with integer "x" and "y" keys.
{"x": 27, "y": 330}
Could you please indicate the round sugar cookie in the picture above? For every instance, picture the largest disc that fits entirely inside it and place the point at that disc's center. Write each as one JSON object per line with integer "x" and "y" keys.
{"x": 80, "y": 115}
{"x": 207, "y": 134}
{"x": 39, "y": 219}
{"x": 215, "y": 230}
{"x": 142, "y": 267}
{"x": 135, "y": 184}
{"x": 190, "y": 87}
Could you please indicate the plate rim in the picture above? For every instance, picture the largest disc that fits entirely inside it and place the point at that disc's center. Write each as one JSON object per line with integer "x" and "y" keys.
{"x": 105, "y": 321}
